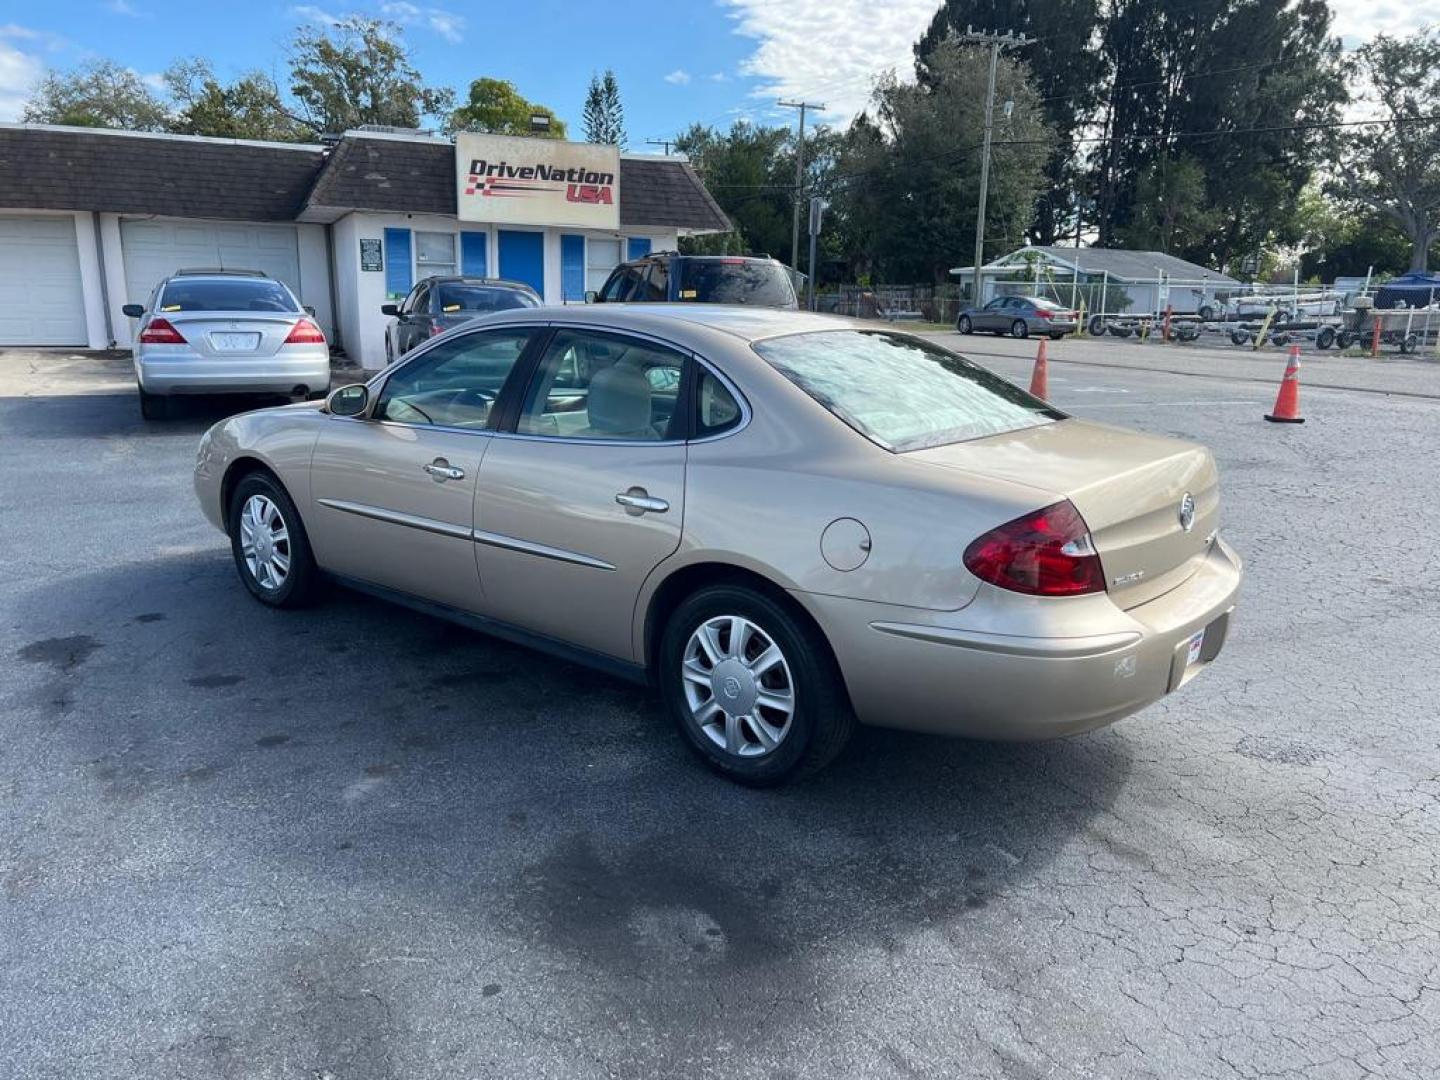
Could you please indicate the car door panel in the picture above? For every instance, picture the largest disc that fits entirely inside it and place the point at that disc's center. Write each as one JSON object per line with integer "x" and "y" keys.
{"x": 379, "y": 516}
{"x": 558, "y": 555}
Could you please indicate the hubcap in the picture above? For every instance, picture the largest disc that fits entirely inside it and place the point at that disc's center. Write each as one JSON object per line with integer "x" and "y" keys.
{"x": 738, "y": 686}
{"x": 264, "y": 542}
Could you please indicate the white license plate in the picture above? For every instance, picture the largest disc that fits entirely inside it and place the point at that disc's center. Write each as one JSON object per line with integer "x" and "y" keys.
{"x": 234, "y": 342}
{"x": 1197, "y": 644}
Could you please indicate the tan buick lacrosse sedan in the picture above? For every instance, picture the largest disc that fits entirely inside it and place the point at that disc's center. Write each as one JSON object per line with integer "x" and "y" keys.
{"x": 785, "y": 522}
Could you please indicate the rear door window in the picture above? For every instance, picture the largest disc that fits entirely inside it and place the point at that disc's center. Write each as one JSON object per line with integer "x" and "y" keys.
{"x": 239, "y": 294}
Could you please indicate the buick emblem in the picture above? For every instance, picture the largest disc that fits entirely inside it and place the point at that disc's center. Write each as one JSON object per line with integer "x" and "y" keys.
{"x": 1187, "y": 512}
{"x": 730, "y": 687}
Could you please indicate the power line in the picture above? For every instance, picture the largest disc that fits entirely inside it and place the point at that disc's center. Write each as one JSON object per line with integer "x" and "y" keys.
{"x": 799, "y": 173}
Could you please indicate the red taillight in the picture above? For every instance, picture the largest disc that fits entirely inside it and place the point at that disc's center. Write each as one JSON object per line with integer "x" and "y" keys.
{"x": 161, "y": 332}
{"x": 305, "y": 332}
{"x": 1047, "y": 553}
{"x": 1044, "y": 314}
{"x": 436, "y": 329}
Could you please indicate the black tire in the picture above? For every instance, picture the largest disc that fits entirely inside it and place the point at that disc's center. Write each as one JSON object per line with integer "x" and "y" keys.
{"x": 1238, "y": 337}
{"x": 1019, "y": 329}
{"x": 1281, "y": 338}
{"x": 302, "y": 580}
{"x": 1342, "y": 340}
{"x": 1325, "y": 338}
{"x": 1206, "y": 313}
{"x": 822, "y": 720}
{"x": 1096, "y": 325}
{"x": 1120, "y": 331}
{"x": 154, "y": 406}
{"x": 964, "y": 325}
{"x": 1409, "y": 343}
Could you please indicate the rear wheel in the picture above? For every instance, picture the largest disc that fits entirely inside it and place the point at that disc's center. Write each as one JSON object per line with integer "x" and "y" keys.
{"x": 1206, "y": 313}
{"x": 964, "y": 325}
{"x": 1325, "y": 338}
{"x": 153, "y": 406}
{"x": 268, "y": 541}
{"x": 752, "y": 688}
{"x": 1097, "y": 325}
{"x": 1019, "y": 329}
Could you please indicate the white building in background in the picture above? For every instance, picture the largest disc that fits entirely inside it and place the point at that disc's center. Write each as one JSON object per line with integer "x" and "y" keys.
{"x": 90, "y": 220}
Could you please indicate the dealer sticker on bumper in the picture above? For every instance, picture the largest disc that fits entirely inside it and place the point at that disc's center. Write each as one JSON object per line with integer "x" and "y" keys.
{"x": 1197, "y": 643}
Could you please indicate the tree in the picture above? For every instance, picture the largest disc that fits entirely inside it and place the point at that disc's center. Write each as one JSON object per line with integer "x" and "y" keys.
{"x": 1339, "y": 240}
{"x": 1171, "y": 210}
{"x": 1066, "y": 68}
{"x": 358, "y": 72}
{"x": 604, "y": 115}
{"x": 746, "y": 171}
{"x": 100, "y": 93}
{"x": 248, "y": 108}
{"x": 1393, "y": 169}
{"x": 913, "y": 172}
{"x": 496, "y": 107}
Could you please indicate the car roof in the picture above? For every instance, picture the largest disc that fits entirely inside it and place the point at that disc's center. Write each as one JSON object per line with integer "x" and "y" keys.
{"x": 748, "y": 323}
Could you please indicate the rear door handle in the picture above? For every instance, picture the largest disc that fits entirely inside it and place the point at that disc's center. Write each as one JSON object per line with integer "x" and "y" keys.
{"x": 639, "y": 501}
{"x": 442, "y": 470}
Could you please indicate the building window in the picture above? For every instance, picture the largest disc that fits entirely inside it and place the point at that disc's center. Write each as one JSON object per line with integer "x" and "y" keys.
{"x": 434, "y": 253}
{"x": 601, "y": 256}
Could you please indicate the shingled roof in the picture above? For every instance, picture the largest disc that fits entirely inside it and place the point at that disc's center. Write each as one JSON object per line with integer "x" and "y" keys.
{"x": 51, "y": 168}
{"x": 417, "y": 176}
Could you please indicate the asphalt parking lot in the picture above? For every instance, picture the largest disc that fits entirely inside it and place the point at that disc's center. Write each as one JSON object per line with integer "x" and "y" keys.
{"x": 354, "y": 842}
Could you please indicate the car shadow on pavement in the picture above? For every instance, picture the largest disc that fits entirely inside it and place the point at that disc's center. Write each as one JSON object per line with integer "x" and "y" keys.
{"x": 66, "y": 416}
{"x": 403, "y": 787}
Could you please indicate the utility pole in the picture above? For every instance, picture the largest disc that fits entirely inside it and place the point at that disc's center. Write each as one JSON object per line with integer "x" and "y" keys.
{"x": 996, "y": 43}
{"x": 799, "y": 176}
{"x": 666, "y": 143}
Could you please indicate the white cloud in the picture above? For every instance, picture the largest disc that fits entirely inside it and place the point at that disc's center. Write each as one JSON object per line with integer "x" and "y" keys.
{"x": 124, "y": 7}
{"x": 19, "y": 70}
{"x": 447, "y": 24}
{"x": 678, "y": 77}
{"x": 718, "y": 76}
{"x": 312, "y": 14}
{"x": 828, "y": 50}
{"x": 1357, "y": 21}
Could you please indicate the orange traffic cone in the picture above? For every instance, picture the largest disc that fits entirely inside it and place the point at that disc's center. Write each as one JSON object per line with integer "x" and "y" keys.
{"x": 1287, "y": 401}
{"x": 1040, "y": 377}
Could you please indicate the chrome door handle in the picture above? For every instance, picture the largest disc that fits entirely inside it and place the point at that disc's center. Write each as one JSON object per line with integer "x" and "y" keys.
{"x": 442, "y": 470}
{"x": 639, "y": 501}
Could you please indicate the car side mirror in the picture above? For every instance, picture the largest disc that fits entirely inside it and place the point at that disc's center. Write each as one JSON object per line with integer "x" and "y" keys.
{"x": 389, "y": 309}
{"x": 591, "y": 296}
{"x": 351, "y": 400}
{"x": 134, "y": 311}
{"x": 309, "y": 310}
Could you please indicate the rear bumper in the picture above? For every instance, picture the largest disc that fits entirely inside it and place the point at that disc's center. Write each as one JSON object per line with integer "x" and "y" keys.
{"x": 191, "y": 374}
{"x": 954, "y": 673}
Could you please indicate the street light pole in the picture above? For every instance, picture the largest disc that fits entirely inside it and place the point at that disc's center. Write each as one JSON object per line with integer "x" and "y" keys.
{"x": 799, "y": 176}
{"x": 996, "y": 43}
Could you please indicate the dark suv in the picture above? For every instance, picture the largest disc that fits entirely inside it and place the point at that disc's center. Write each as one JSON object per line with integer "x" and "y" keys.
{"x": 668, "y": 277}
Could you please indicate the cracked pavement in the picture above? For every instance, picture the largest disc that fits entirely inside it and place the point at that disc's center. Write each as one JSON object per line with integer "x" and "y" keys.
{"x": 353, "y": 842}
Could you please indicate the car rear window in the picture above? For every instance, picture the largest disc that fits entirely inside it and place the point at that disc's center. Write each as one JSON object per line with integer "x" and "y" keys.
{"x": 459, "y": 297}
{"x": 735, "y": 281}
{"x": 902, "y": 392}
{"x": 237, "y": 295}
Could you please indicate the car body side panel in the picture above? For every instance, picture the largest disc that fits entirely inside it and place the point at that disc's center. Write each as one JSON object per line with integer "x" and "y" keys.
{"x": 281, "y": 439}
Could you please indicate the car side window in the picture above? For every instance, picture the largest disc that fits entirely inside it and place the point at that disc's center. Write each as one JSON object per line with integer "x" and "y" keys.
{"x": 621, "y": 285}
{"x": 594, "y": 385}
{"x": 456, "y": 383}
{"x": 716, "y": 409}
{"x": 656, "y": 286}
{"x": 996, "y": 304}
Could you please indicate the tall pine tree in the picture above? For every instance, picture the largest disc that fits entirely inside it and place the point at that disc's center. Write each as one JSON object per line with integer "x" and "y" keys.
{"x": 604, "y": 115}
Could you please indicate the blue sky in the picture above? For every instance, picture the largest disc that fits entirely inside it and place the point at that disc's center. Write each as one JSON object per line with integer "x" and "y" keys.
{"x": 687, "y": 60}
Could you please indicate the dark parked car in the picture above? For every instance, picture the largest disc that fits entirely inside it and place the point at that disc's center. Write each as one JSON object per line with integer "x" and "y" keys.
{"x": 438, "y": 303}
{"x": 700, "y": 279}
{"x": 1018, "y": 316}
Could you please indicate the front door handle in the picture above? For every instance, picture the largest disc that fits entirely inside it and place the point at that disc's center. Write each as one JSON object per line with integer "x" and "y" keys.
{"x": 442, "y": 470}
{"x": 639, "y": 501}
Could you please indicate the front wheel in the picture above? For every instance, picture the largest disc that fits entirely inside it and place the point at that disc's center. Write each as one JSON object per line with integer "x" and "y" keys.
{"x": 1019, "y": 329}
{"x": 964, "y": 325}
{"x": 752, "y": 688}
{"x": 268, "y": 541}
{"x": 1325, "y": 338}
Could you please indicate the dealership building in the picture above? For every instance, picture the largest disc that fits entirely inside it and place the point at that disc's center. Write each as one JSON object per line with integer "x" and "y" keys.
{"x": 91, "y": 220}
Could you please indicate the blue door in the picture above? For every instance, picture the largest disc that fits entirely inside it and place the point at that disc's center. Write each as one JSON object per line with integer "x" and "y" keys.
{"x": 638, "y": 247}
{"x": 572, "y": 268}
{"x": 522, "y": 258}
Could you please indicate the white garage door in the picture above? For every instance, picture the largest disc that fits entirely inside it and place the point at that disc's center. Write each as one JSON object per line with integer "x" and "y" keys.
{"x": 156, "y": 249}
{"x": 40, "y": 298}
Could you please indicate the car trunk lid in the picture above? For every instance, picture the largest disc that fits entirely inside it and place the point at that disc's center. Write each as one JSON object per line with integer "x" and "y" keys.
{"x": 1128, "y": 486}
{"x": 230, "y": 334}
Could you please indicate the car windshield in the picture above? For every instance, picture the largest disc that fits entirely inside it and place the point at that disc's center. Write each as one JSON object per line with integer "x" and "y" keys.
{"x": 238, "y": 294}
{"x": 457, "y": 297}
{"x": 736, "y": 281}
{"x": 901, "y": 392}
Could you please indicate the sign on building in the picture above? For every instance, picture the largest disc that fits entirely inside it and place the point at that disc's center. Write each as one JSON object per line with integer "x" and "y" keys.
{"x": 517, "y": 181}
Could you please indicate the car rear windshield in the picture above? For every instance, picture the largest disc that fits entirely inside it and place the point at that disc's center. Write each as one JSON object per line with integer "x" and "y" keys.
{"x": 902, "y": 392}
{"x": 237, "y": 295}
{"x": 735, "y": 281}
{"x": 459, "y": 297}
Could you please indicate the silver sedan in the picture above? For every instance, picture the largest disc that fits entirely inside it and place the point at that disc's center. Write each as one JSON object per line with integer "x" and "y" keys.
{"x": 218, "y": 332}
{"x": 1019, "y": 316}
{"x": 785, "y": 522}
